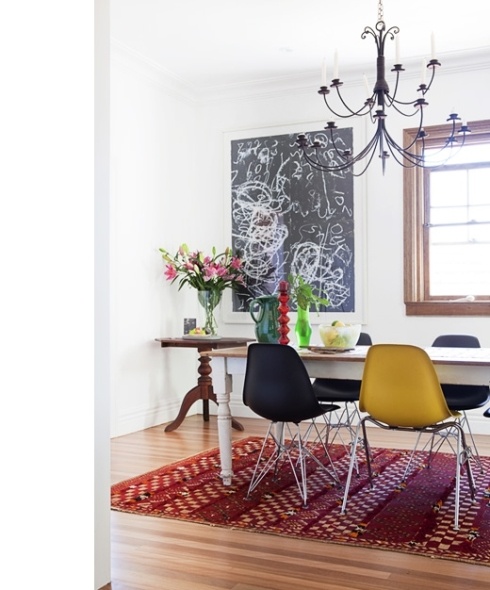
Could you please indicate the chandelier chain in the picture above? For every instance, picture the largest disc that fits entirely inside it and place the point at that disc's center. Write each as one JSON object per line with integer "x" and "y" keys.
{"x": 380, "y": 10}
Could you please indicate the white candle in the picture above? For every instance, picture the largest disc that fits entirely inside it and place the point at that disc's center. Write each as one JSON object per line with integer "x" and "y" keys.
{"x": 432, "y": 46}
{"x": 324, "y": 73}
{"x": 397, "y": 50}
{"x": 366, "y": 86}
{"x": 336, "y": 66}
{"x": 423, "y": 71}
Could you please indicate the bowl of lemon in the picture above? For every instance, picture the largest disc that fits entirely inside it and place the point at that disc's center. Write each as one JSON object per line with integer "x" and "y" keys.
{"x": 338, "y": 335}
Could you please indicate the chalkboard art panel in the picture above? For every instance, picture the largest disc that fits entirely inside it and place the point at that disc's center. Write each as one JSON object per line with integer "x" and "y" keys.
{"x": 287, "y": 217}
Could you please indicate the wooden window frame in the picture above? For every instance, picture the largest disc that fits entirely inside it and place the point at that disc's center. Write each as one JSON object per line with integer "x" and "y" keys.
{"x": 415, "y": 262}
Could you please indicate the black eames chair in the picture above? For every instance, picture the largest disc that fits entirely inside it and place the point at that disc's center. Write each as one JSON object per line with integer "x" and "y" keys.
{"x": 345, "y": 392}
{"x": 461, "y": 398}
{"x": 278, "y": 388}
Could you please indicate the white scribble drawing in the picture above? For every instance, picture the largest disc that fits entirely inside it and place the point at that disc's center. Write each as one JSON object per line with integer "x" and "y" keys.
{"x": 288, "y": 218}
{"x": 260, "y": 232}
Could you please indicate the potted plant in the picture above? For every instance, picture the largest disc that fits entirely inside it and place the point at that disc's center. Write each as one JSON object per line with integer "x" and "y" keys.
{"x": 301, "y": 293}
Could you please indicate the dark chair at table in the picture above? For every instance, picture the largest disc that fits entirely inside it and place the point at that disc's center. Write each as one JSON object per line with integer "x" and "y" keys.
{"x": 486, "y": 413}
{"x": 345, "y": 392}
{"x": 401, "y": 391}
{"x": 277, "y": 387}
{"x": 461, "y": 398}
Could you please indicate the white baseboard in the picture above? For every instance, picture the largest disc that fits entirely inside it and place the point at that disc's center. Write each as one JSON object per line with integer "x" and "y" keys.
{"x": 136, "y": 421}
{"x": 141, "y": 420}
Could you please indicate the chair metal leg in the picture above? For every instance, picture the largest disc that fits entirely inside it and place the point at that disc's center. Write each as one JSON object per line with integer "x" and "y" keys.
{"x": 295, "y": 450}
{"x": 343, "y": 420}
{"x": 319, "y": 436}
{"x": 352, "y": 462}
{"x": 412, "y": 454}
{"x": 462, "y": 455}
{"x": 474, "y": 448}
{"x": 462, "y": 458}
{"x": 259, "y": 474}
{"x": 458, "y": 481}
{"x": 446, "y": 437}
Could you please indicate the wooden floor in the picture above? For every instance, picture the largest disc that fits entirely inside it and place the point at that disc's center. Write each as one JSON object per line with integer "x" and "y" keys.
{"x": 158, "y": 554}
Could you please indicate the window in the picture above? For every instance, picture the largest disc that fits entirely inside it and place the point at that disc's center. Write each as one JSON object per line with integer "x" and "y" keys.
{"x": 447, "y": 227}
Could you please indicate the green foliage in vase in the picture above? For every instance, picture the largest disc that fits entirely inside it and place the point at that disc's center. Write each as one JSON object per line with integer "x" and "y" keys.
{"x": 302, "y": 293}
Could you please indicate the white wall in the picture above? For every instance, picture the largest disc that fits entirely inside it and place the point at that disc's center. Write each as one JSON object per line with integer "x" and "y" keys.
{"x": 163, "y": 194}
{"x": 150, "y": 205}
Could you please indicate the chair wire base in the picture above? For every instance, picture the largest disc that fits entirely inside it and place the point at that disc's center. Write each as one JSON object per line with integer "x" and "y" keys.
{"x": 295, "y": 448}
{"x": 346, "y": 418}
{"x": 446, "y": 437}
{"x": 462, "y": 452}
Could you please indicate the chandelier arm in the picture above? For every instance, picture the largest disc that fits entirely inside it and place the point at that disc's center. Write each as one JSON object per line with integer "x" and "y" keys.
{"x": 368, "y": 162}
{"x": 316, "y": 162}
{"x": 362, "y": 154}
{"x": 412, "y": 158}
{"x": 432, "y": 64}
{"x": 346, "y": 162}
{"x": 371, "y": 145}
{"x": 405, "y": 103}
{"x": 338, "y": 115}
{"x": 346, "y": 156}
{"x": 347, "y": 165}
{"x": 406, "y": 152}
{"x": 453, "y": 152}
{"x": 368, "y": 105}
{"x": 325, "y": 167}
{"x": 398, "y": 110}
{"x": 405, "y": 162}
{"x": 391, "y": 99}
{"x": 449, "y": 147}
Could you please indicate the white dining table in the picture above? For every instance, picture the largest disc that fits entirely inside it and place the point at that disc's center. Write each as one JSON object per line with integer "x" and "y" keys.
{"x": 453, "y": 365}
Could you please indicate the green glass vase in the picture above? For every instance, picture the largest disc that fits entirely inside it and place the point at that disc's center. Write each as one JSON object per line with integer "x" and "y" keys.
{"x": 302, "y": 328}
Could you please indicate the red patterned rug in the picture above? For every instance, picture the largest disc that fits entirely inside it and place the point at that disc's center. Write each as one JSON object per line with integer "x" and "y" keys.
{"x": 416, "y": 517}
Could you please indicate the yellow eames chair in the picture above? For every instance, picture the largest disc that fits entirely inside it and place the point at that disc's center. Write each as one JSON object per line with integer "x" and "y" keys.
{"x": 400, "y": 390}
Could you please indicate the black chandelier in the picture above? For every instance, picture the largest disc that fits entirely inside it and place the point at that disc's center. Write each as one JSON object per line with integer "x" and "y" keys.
{"x": 329, "y": 158}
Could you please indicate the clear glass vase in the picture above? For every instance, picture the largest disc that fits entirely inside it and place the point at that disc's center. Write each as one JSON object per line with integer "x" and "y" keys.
{"x": 302, "y": 328}
{"x": 209, "y": 301}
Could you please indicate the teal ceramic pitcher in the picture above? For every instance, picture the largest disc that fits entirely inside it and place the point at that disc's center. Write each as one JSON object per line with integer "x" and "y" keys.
{"x": 265, "y": 314}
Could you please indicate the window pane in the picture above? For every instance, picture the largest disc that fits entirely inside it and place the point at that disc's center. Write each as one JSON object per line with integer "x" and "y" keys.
{"x": 479, "y": 186}
{"x": 479, "y": 233}
{"x": 448, "y": 188}
{"x": 449, "y": 215}
{"x": 469, "y": 154}
{"x": 479, "y": 213}
{"x": 459, "y": 270}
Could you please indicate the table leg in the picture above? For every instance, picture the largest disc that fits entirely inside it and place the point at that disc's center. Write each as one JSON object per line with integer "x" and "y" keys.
{"x": 203, "y": 390}
{"x": 223, "y": 387}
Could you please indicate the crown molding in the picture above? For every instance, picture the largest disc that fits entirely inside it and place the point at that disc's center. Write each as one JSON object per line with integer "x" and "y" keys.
{"x": 151, "y": 71}
{"x": 273, "y": 87}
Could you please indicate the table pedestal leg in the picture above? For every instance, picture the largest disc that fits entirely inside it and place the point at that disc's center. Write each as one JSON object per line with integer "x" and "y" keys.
{"x": 203, "y": 390}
